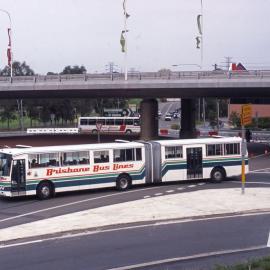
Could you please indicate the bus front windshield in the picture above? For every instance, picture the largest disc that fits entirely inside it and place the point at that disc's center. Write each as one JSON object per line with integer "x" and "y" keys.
{"x": 5, "y": 163}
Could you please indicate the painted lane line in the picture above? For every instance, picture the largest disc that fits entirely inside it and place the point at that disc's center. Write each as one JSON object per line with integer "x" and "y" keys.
{"x": 259, "y": 170}
{"x": 247, "y": 182}
{"x": 268, "y": 243}
{"x": 146, "y": 197}
{"x": 191, "y": 186}
{"x": 180, "y": 188}
{"x": 201, "y": 184}
{"x": 170, "y": 191}
{"x": 191, "y": 257}
{"x": 74, "y": 203}
{"x": 132, "y": 227}
{"x": 158, "y": 194}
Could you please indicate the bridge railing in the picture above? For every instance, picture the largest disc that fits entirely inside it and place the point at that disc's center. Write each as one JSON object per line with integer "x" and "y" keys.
{"x": 162, "y": 75}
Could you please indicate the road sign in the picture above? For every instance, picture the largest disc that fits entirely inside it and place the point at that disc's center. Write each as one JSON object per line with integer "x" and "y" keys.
{"x": 246, "y": 115}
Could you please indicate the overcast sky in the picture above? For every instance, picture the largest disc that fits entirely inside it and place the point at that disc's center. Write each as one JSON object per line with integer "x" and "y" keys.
{"x": 51, "y": 34}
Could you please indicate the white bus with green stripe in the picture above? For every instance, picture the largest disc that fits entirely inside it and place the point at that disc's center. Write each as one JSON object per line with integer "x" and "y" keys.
{"x": 204, "y": 158}
{"x": 44, "y": 171}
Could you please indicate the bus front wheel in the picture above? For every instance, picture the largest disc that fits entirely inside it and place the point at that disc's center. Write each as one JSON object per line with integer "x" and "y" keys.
{"x": 123, "y": 182}
{"x": 218, "y": 175}
{"x": 44, "y": 191}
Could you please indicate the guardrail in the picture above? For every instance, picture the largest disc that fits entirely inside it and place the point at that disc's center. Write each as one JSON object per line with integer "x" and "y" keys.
{"x": 52, "y": 131}
{"x": 182, "y": 75}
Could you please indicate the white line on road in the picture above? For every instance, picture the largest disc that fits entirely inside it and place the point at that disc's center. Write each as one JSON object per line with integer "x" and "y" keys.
{"x": 192, "y": 257}
{"x": 158, "y": 194}
{"x": 180, "y": 188}
{"x": 247, "y": 182}
{"x": 268, "y": 243}
{"x": 146, "y": 197}
{"x": 74, "y": 203}
{"x": 192, "y": 186}
{"x": 201, "y": 184}
{"x": 259, "y": 170}
{"x": 132, "y": 227}
{"x": 170, "y": 191}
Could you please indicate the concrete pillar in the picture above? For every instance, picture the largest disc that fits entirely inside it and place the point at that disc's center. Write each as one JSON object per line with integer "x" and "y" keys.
{"x": 149, "y": 119}
{"x": 188, "y": 119}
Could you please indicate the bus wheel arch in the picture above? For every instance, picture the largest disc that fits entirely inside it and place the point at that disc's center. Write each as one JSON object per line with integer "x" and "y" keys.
{"x": 45, "y": 190}
{"x": 123, "y": 182}
{"x": 128, "y": 131}
{"x": 218, "y": 174}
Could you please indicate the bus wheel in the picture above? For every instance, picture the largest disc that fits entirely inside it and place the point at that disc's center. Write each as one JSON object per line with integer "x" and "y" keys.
{"x": 123, "y": 182}
{"x": 128, "y": 131}
{"x": 94, "y": 131}
{"x": 44, "y": 191}
{"x": 218, "y": 175}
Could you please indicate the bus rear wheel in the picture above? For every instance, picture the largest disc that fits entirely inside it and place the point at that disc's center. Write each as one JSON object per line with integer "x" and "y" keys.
{"x": 123, "y": 182}
{"x": 218, "y": 175}
{"x": 44, "y": 191}
{"x": 128, "y": 131}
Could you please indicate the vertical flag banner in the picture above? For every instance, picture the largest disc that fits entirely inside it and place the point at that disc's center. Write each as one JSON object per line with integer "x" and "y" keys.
{"x": 9, "y": 56}
{"x": 199, "y": 22}
{"x": 9, "y": 53}
{"x": 123, "y": 41}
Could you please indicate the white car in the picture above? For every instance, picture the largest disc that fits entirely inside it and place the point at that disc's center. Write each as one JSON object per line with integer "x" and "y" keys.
{"x": 168, "y": 117}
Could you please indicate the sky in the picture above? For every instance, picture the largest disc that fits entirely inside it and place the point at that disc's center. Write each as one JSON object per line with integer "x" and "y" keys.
{"x": 51, "y": 34}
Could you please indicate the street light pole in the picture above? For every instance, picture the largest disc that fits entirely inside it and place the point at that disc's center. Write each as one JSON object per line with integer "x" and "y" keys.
{"x": 10, "y": 45}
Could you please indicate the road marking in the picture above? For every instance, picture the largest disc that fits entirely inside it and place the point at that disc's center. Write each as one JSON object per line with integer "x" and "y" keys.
{"x": 180, "y": 188}
{"x": 168, "y": 108}
{"x": 74, "y": 203}
{"x": 201, "y": 184}
{"x": 268, "y": 243}
{"x": 69, "y": 235}
{"x": 146, "y": 197}
{"x": 192, "y": 186}
{"x": 247, "y": 182}
{"x": 158, "y": 194}
{"x": 170, "y": 191}
{"x": 259, "y": 170}
{"x": 192, "y": 257}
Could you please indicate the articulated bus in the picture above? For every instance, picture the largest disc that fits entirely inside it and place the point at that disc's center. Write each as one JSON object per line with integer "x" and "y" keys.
{"x": 122, "y": 125}
{"x": 45, "y": 171}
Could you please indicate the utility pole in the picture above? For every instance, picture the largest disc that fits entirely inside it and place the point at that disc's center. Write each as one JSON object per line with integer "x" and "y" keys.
{"x": 228, "y": 62}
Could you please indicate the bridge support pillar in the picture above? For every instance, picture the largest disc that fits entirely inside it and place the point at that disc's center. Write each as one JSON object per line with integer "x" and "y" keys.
{"x": 188, "y": 119}
{"x": 149, "y": 119}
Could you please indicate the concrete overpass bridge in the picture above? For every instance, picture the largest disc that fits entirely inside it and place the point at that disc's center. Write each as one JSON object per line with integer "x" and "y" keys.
{"x": 148, "y": 86}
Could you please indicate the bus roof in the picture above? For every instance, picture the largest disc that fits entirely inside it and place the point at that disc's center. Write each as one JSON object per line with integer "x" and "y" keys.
{"x": 71, "y": 148}
{"x": 211, "y": 140}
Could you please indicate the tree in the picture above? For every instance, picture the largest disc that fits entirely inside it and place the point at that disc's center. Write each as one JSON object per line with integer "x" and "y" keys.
{"x": 19, "y": 69}
{"x": 74, "y": 70}
{"x": 51, "y": 73}
{"x": 7, "y": 113}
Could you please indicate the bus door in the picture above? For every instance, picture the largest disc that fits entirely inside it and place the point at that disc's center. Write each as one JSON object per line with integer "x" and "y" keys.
{"x": 194, "y": 163}
{"x": 18, "y": 176}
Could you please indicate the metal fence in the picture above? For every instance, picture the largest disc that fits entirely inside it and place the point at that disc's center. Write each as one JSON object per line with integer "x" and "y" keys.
{"x": 182, "y": 75}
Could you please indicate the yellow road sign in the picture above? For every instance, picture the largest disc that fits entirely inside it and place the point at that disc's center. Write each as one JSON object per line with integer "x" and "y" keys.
{"x": 246, "y": 115}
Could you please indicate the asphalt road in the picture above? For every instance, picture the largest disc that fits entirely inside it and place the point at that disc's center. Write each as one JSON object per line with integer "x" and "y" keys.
{"x": 158, "y": 246}
{"x": 200, "y": 239}
{"x": 15, "y": 211}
